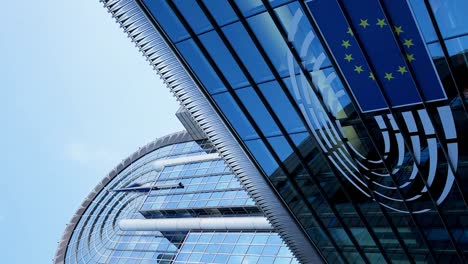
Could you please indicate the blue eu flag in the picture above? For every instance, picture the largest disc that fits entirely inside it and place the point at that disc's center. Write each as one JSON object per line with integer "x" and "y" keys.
{"x": 380, "y": 43}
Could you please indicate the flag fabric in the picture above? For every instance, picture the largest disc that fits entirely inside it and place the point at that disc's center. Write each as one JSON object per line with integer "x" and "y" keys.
{"x": 367, "y": 21}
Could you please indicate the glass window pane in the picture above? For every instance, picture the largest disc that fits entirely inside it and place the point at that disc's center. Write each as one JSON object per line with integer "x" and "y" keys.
{"x": 302, "y": 36}
{"x": 281, "y": 147}
{"x": 258, "y": 111}
{"x": 235, "y": 116}
{"x": 335, "y": 97}
{"x": 451, "y": 16}
{"x": 282, "y": 107}
{"x": 167, "y": 19}
{"x": 262, "y": 155}
{"x": 221, "y": 10}
{"x": 250, "y": 7}
{"x": 458, "y": 51}
{"x": 271, "y": 40}
{"x": 200, "y": 66}
{"x": 423, "y": 19}
{"x": 249, "y": 54}
{"x": 223, "y": 59}
{"x": 194, "y": 15}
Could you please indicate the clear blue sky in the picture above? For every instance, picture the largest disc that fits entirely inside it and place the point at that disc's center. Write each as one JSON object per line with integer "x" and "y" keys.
{"x": 76, "y": 98}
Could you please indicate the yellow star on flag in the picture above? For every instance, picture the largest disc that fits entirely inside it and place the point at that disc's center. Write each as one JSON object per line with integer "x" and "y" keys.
{"x": 398, "y": 30}
{"x": 408, "y": 43}
{"x": 389, "y": 76}
{"x": 381, "y": 23}
{"x": 364, "y": 23}
{"x": 371, "y": 76}
{"x": 349, "y": 57}
{"x": 358, "y": 69}
{"x": 350, "y": 31}
{"x": 345, "y": 43}
{"x": 402, "y": 69}
{"x": 410, "y": 57}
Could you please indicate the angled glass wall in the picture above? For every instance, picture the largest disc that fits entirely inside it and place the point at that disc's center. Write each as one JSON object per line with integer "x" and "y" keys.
{"x": 354, "y": 113}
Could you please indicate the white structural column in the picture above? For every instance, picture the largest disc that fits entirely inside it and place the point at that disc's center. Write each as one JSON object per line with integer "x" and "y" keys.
{"x": 160, "y": 164}
{"x": 202, "y": 223}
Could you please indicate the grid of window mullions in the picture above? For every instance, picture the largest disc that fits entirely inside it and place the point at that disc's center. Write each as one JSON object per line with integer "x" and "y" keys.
{"x": 241, "y": 244}
{"x": 322, "y": 226}
{"x": 201, "y": 47}
{"x": 437, "y": 134}
{"x": 283, "y": 86}
{"x": 450, "y": 165}
{"x": 297, "y": 58}
{"x": 93, "y": 238}
{"x": 374, "y": 140}
{"x": 405, "y": 135}
{"x": 380, "y": 154}
{"x": 441, "y": 40}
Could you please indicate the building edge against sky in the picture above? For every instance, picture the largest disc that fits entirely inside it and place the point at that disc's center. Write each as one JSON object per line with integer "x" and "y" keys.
{"x": 147, "y": 209}
{"x": 423, "y": 126}
{"x": 130, "y": 16}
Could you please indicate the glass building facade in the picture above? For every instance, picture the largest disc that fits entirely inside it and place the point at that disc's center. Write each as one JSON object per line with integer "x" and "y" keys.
{"x": 172, "y": 178}
{"x": 354, "y": 112}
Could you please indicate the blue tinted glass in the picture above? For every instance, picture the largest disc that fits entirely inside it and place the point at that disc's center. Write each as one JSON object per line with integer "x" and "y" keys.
{"x": 275, "y": 3}
{"x": 299, "y": 138}
{"x": 235, "y": 116}
{"x": 260, "y": 239}
{"x": 250, "y": 7}
{"x": 266, "y": 260}
{"x": 240, "y": 249}
{"x": 223, "y": 59}
{"x": 258, "y": 111}
{"x": 247, "y": 51}
{"x": 250, "y": 259}
{"x": 302, "y": 36}
{"x": 221, "y": 258}
{"x": 207, "y": 258}
{"x": 200, "y": 66}
{"x": 167, "y": 19}
{"x": 423, "y": 19}
{"x": 221, "y": 10}
{"x": 255, "y": 250}
{"x": 262, "y": 155}
{"x": 457, "y": 49}
{"x": 194, "y": 15}
{"x": 235, "y": 259}
{"x": 282, "y": 107}
{"x": 333, "y": 93}
{"x": 435, "y": 50}
{"x": 281, "y": 147}
{"x": 451, "y": 16}
{"x": 271, "y": 40}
